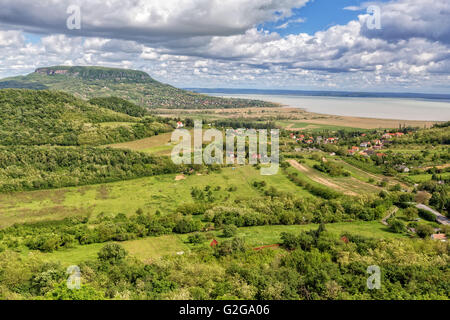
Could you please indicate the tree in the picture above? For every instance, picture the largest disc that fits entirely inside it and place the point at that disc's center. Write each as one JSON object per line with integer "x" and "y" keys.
{"x": 112, "y": 253}
{"x": 86, "y": 292}
{"x": 230, "y": 231}
{"x": 397, "y": 226}
{"x": 424, "y": 231}
{"x": 411, "y": 213}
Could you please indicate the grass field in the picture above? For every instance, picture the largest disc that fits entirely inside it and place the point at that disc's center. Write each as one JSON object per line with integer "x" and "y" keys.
{"x": 149, "y": 249}
{"x": 144, "y": 249}
{"x": 299, "y": 125}
{"x": 347, "y": 185}
{"x": 159, "y": 145}
{"x": 162, "y": 193}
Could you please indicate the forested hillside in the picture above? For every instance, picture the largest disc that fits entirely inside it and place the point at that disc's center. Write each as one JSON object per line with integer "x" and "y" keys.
{"x": 44, "y": 167}
{"x": 45, "y": 117}
{"x": 131, "y": 85}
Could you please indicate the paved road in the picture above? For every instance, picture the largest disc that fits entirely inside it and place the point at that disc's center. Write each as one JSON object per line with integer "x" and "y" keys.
{"x": 439, "y": 217}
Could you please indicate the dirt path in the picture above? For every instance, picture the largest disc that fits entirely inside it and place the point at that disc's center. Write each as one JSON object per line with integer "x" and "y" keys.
{"x": 393, "y": 211}
{"x": 320, "y": 179}
{"x": 377, "y": 178}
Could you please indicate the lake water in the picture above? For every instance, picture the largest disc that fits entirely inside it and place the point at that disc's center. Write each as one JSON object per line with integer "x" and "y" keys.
{"x": 380, "y": 108}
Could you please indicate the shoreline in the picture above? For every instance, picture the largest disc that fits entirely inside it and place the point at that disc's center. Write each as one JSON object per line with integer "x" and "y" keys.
{"x": 350, "y": 104}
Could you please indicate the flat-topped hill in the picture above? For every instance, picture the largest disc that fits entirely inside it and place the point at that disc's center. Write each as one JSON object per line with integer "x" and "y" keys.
{"x": 132, "y": 85}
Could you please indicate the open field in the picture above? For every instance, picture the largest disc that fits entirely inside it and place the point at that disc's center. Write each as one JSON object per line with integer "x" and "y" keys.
{"x": 162, "y": 193}
{"x": 152, "y": 248}
{"x": 294, "y": 118}
{"x": 159, "y": 145}
{"x": 346, "y": 185}
{"x": 143, "y": 249}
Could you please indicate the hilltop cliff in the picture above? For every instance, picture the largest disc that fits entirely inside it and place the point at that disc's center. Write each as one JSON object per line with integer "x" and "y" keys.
{"x": 132, "y": 85}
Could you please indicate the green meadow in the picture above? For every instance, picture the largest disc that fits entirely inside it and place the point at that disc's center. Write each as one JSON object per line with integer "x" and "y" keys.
{"x": 164, "y": 193}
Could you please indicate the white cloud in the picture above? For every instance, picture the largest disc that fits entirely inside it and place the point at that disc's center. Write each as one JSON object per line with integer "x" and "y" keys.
{"x": 219, "y": 51}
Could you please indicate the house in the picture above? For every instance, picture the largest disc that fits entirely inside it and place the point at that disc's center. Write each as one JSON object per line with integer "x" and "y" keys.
{"x": 180, "y": 125}
{"x": 364, "y": 144}
{"x": 402, "y": 168}
{"x": 331, "y": 140}
{"x": 439, "y": 236}
{"x": 345, "y": 239}
{"x": 214, "y": 243}
{"x": 377, "y": 143}
{"x": 355, "y": 149}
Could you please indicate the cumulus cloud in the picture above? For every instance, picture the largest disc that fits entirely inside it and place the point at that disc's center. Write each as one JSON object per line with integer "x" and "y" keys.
{"x": 145, "y": 21}
{"x": 217, "y": 43}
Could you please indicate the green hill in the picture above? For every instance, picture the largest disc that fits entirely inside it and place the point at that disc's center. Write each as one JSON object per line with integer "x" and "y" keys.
{"x": 31, "y": 117}
{"x": 134, "y": 86}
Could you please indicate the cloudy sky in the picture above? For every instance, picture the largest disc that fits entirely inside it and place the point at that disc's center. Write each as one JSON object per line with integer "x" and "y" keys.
{"x": 276, "y": 44}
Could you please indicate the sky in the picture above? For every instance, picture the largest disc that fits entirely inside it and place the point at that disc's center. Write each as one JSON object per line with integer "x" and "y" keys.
{"x": 263, "y": 44}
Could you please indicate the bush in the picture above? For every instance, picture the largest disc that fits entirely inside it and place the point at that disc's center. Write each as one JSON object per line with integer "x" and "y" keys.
{"x": 424, "y": 231}
{"x": 397, "y": 226}
{"x": 424, "y": 214}
{"x": 112, "y": 253}
{"x": 196, "y": 238}
{"x": 230, "y": 231}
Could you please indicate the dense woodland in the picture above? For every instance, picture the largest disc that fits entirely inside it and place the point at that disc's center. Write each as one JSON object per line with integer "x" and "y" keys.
{"x": 43, "y": 117}
{"x": 44, "y": 167}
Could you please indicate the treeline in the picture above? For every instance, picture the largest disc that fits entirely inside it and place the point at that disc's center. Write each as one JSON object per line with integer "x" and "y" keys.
{"x": 49, "y": 236}
{"x": 319, "y": 191}
{"x": 120, "y": 105}
{"x": 244, "y": 124}
{"x": 34, "y": 167}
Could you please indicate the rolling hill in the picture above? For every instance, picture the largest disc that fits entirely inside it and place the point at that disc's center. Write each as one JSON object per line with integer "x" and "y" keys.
{"x": 134, "y": 86}
{"x": 31, "y": 117}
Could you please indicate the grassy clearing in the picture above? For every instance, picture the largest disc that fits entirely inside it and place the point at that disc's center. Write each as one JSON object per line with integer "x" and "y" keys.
{"x": 160, "y": 144}
{"x": 346, "y": 185}
{"x": 146, "y": 250}
{"x": 149, "y": 249}
{"x": 300, "y": 125}
{"x": 162, "y": 193}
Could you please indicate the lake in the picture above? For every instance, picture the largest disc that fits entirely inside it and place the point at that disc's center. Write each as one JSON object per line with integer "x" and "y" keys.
{"x": 380, "y": 108}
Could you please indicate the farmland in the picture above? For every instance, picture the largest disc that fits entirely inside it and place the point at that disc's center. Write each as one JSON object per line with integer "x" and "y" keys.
{"x": 105, "y": 196}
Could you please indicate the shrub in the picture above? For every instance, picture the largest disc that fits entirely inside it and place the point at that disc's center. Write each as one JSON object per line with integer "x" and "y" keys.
{"x": 230, "y": 231}
{"x": 112, "y": 253}
{"x": 397, "y": 226}
{"x": 424, "y": 214}
{"x": 424, "y": 231}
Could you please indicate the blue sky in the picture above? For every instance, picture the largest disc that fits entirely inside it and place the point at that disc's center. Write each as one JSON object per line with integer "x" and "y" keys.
{"x": 318, "y": 15}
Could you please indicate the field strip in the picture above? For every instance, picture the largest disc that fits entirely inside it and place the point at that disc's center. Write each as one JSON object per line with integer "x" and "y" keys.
{"x": 374, "y": 176}
{"x": 320, "y": 179}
